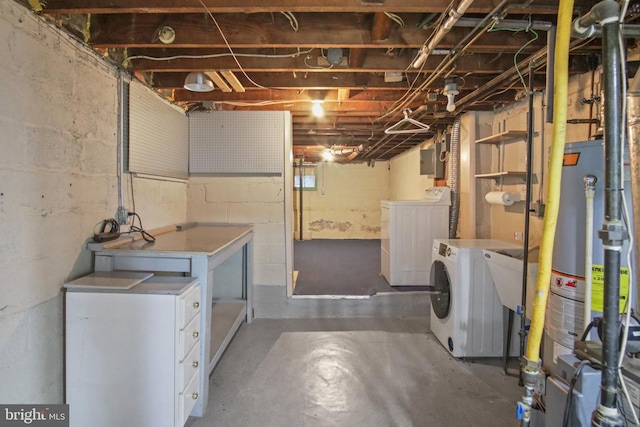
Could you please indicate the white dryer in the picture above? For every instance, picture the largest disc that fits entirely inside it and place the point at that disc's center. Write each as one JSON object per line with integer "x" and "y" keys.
{"x": 466, "y": 313}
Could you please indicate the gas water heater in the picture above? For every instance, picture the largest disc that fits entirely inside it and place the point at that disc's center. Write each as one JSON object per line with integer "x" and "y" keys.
{"x": 564, "y": 322}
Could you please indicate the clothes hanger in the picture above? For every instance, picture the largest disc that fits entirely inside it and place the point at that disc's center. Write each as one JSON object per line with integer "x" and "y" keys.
{"x": 419, "y": 127}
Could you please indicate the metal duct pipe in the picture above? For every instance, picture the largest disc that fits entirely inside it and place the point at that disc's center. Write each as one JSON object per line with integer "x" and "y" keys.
{"x": 454, "y": 179}
{"x": 633, "y": 130}
{"x": 426, "y": 49}
{"x": 508, "y": 23}
{"x": 613, "y": 233}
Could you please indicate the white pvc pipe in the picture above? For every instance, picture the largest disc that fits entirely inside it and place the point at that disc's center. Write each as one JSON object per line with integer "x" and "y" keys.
{"x": 427, "y": 49}
{"x": 589, "y": 191}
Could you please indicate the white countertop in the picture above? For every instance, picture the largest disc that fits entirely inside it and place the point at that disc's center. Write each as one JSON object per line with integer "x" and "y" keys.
{"x": 130, "y": 282}
{"x": 199, "y": 239}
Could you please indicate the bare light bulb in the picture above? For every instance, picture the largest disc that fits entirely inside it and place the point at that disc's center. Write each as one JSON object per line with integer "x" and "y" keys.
{"x": 327, "y": 155}
{"x": 317, "y": 109}
{"x": 450, "y": 91}
{"x": 451, "y": 105}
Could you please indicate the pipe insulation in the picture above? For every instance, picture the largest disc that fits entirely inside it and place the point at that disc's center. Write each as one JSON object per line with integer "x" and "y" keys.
{"x": 454, "y": 179}
{"x": 532, "y": 363}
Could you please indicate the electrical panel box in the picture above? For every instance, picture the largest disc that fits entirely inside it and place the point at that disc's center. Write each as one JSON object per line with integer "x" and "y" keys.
{"x": 432, "y": 162}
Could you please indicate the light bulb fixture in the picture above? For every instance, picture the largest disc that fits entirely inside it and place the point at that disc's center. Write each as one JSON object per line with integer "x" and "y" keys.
{"x": 450, "y": 91}
{"x": 166, "y": 35}
{"x": 316, "y": 107}
{"x": 327, "y": 154}
{"x": 198, "y": 82}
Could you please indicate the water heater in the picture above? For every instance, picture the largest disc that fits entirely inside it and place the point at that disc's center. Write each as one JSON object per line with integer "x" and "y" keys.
{"x": 564, "y": 322}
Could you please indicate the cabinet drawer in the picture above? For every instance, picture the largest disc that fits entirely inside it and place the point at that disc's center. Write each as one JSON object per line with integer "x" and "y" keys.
{"x": 188, "y": 367}
{"x": 189, "y": 398}
{"x": 188, "y": 337}
{"x": 189, "y": 306}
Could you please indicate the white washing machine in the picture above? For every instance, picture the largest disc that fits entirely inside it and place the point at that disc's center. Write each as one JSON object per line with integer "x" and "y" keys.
{"x": 466, "y": 313}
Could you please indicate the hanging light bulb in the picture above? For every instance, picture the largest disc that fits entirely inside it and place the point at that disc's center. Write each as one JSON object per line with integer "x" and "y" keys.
{"x": 327, "y": 154}
{"x": 198, "y": 82}
{"x": 316, "y": 108}
{"x": 450, "y": 91}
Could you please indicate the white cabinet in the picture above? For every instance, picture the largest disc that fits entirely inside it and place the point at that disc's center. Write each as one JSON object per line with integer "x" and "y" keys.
{"x": 407, "y": 232}
{"x": 133, "y": 355}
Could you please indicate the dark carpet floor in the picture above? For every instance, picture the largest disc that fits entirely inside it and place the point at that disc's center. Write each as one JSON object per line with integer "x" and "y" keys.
{"x": 338, "y": 267}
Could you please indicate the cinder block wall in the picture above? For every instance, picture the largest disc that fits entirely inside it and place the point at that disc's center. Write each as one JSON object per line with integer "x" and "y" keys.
{"x": 57, "y": 180}
{"x": 251, "y": 200}
{"x": 346, "y": 203}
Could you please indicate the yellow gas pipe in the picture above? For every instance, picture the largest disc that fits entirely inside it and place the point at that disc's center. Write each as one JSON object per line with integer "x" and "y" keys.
{"x": 531, "y": 363}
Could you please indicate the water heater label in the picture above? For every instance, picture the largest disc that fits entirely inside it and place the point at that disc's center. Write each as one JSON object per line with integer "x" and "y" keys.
{"x": 567, "y": 285}
{"x": 597, "y": 288}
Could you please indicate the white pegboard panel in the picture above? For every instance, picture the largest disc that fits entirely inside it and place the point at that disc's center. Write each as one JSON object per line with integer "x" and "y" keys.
{"x": 158, "y": 135}
{"x": 237, "y": 142}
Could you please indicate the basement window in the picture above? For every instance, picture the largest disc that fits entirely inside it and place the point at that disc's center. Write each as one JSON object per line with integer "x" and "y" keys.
{"x": 309, "y": 181}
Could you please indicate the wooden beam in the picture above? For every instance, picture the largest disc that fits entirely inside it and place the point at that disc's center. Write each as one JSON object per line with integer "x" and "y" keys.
{"x": 253, "y": 6}
{"x": 381, "y": 27}
{"x": 260, "y": 31}
{"x": 218, "y": 80}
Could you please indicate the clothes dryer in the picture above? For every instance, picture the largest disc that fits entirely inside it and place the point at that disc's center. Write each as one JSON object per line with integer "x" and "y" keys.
{"x": 466, "y": 312}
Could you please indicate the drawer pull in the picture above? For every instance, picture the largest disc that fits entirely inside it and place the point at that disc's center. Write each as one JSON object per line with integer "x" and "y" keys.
{"x": 194, "y": 396}
{"x": 194, "y": 363}
{"x": 195, "y": 334}
{"x": 196, "y": 304}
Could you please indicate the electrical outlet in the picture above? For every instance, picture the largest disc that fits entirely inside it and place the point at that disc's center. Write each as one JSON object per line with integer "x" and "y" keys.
{"x": 122, "y": 215}
{"x": 537, "y": 209}
{"x": 518, "y": 235}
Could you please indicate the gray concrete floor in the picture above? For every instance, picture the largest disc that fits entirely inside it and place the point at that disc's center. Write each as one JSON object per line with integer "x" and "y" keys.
{"x": 354, "y": 372}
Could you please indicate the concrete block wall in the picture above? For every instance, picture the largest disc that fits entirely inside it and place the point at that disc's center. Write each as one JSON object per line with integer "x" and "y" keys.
{"x": 346, "y": 204}
{"x": 247, "y": 200}
{"x": 57, "y": 180}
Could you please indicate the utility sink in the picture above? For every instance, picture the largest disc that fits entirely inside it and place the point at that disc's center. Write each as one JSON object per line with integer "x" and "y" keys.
{"x": 505, "y": 266}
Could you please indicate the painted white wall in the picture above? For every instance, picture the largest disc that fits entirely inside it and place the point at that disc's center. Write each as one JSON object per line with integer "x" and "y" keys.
{"x": 57, "y": 180}
{"x": 502, "y": 222}
{"x": 405, "y": 181}
{"x": 346, "y": 204}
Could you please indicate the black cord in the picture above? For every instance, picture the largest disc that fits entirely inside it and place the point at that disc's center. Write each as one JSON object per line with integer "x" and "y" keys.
{"x": 574, "y": 380}
{"x": 586, "y": 332}
{"x": 133, "y": 228}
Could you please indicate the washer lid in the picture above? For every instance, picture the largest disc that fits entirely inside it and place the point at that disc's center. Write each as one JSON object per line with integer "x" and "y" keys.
{"x": 441, "y": 294}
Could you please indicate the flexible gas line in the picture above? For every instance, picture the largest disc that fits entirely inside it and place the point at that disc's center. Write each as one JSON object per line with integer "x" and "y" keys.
{"x": 531, "y": 363}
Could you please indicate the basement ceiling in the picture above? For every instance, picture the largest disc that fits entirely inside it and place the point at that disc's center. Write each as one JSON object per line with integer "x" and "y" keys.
{"x": 355, "y": 55}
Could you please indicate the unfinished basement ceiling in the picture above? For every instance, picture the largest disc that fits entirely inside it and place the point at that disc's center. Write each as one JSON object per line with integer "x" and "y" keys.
{"x": 356, "y": 55}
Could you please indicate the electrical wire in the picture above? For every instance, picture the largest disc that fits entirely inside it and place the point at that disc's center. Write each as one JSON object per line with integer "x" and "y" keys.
{"x": 397, "y": 103}
{"x": 574, "y": 379}
{"x": 135, "y": 229}
{"x": 221, "y": 55}
{"x": 235, "y": 58}
{"x": 515, "y": 56}
{"x": 395, "y": 18}
{"x": 292, "y": 20}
